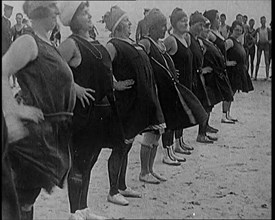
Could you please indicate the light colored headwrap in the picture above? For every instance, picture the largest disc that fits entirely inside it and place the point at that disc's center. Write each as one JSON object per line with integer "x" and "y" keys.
{"x": 31, "y": 5}
{"x": 113, "y": 17}
{"x": 67, "y": 10}
{"x": 154, "y": 17}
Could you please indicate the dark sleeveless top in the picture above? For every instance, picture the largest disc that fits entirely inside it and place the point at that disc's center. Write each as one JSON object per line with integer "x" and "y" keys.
{"x": 217, "y": 82}
{"x": 55, "y": 91}
{"x": 97, "y": 123}
{"x": 43, "y": 156}
{"x": 16, "y": 33}
{"x": 183, "y": 59}
{"x": 180, "y": 106}
{"x": 198, "y": 87}
{"x": 138, "y": 107}
{"x": 238, "y": 74}
{"x": 220, "y": 43}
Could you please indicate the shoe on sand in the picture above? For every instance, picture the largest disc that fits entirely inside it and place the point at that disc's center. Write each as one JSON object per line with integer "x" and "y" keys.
{"x": 118, "y": 199}
{"x": 128, "y": 192}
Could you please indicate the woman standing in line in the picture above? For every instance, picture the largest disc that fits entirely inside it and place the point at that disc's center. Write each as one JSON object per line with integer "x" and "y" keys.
{"x": 180, "y": 106}
{"x": 95, "y": 123}
{"x": 138, "y": 104}
{"x": 196, "y": 23}
{"x": 177, "y": 45}
{"x": 237, "y": 74}
{"x": 219, "y": 41}
{"x": 216, "y": 81}
{"x": 41, "y": 159}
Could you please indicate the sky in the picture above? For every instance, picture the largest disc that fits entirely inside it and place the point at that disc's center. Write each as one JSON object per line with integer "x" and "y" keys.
{"x": 252, "y": 8}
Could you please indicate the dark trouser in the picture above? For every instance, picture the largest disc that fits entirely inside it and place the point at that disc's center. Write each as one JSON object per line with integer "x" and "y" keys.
{"x": 167, "y": 138}
{"x": 178, "y": 133}
{"x": 79, "y": 177}
{"x": 26, "y": 198}
{"x": 262, "y": 47}
{"x": 10, "y": 206}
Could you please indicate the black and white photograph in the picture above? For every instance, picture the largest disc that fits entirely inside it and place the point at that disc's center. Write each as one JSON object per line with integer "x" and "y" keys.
{"x": 140, "y": 109}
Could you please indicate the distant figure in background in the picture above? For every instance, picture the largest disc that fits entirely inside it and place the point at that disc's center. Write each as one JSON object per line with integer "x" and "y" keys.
{"x": 250, "y": 45}
{"x": 224, "y": 28}
{"x": 17, "y": 29}
{"x": 239, "y": 18}
{"x": 263, "y": 41}
{"x": 27, "y": 26}
{"x": 142, "y": 29}
{"x": 56, "y": 36}
{"x": 6, "y": 28}
{"x": 93, "y": 32}
{"x": 270, "y": 46}
{"x": 245, "y": 25}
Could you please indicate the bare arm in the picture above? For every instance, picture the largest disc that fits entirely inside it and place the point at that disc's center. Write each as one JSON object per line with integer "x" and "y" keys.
{"x": 67, "y": 49}
{"x": 138, "y": 32}
{"x": 171, "y": 45}
{"x": 20, "y": 53}
{"x": 146, "y": 45}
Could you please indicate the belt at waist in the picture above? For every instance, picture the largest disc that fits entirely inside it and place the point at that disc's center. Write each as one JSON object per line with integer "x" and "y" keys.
{"x": 58, "y": 116}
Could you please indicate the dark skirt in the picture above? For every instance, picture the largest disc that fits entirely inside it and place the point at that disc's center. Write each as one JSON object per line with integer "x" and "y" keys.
{"x": 218, "y": 87}
{"x": 42, "y": 159}
{"x": 104, "y": 129}
{"x": 10, "y": 206}
{"x": 239, "y": 78}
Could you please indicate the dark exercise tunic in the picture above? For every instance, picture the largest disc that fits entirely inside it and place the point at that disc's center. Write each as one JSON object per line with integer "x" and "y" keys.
{"x": 138, "y": 107}
{"x": 238, "y": 74}
{"x": 96, "y": 125}
{"x": 180, "y": 106}
{"x": 42, "y": 159}
{"x": 183, "y": 60}
{"x": 198, "y": 86}
{"x": 217, "y": 82}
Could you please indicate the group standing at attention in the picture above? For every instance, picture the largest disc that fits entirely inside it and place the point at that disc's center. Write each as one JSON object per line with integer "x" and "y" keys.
{"x": 79, "y": 96}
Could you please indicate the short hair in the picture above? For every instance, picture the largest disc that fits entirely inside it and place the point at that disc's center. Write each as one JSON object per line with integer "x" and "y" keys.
{"x": 19, "y": 14}
{"x": 235, "y": 24}
{"x": 223, "y": 15}
{"x": 74, "y": 25}
{"x": 238, "y": 15}
{"x": 245, "y": 16}
{"x": 263, "y": 17}
{"x": 251, "y": 19}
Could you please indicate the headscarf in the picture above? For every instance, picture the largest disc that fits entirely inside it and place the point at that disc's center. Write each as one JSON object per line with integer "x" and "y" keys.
{"x": 210, "y": 14}
{"x": 67, "y": 10}
{"x": 154, "y": 17}
{"x": 197, "y": 17}
{"x": 29, "y": 6}
{"x": 113, "y": 17}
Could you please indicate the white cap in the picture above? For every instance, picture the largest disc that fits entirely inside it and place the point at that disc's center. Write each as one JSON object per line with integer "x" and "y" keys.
{"x": 67, "y": 10}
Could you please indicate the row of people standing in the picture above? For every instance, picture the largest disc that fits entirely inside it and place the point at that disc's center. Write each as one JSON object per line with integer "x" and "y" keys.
{"x": 88, "y": 110}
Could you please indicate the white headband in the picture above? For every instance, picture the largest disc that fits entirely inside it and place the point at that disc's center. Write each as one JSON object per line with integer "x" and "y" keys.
{"x": 118, "y": 21}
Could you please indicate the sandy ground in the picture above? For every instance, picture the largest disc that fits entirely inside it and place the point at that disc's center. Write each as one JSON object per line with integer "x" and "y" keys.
{"x": 230, "y": 179}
